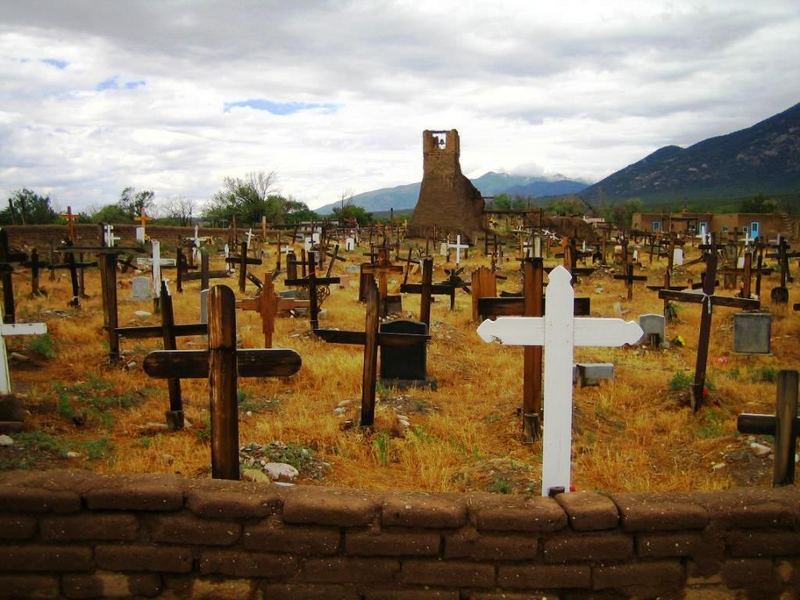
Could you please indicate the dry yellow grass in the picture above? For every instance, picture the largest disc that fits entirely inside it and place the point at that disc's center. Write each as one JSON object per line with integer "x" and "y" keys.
{"x": 630, "y": 434}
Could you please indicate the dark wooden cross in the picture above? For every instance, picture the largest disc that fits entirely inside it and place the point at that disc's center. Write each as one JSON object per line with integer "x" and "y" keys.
{"x": 222, "y": 363}
{"x": 205, "y": 275}
{"x": 380, "y": 270}
{"x": 75, "y": 268}
{"x": 7, "y": 258}
{"x": 426, "y": 289}
{"x": 313, "y": 283}
{"x": 628, "y": 276}
{"x": 242, "y": 260}
{"x": 784, "y": 426}
{"x": 780, "y": 295}
{"x": 707, "y": 300}
{"x": 35, "y": 264}
{"x": 668, "y": 278}
{"x": 371, "y": 338}
{"x": 268, "y": 304}
{"x": 168, "y": 331}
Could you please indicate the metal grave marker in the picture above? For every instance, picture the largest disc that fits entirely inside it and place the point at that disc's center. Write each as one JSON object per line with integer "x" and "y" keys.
{"x": 558, "y": 331}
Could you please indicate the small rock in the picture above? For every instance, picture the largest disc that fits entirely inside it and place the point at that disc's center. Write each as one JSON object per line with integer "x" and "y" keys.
{"x": 283, "y": 483}
{"x": 168, "y": 459}
{"x": 345, "y": 403}
{"x": 760, "y": 449}
{"x": 6, "y": 440}
{"x": 281, "y": 471}
{"x": 142, "y": 314}
{"x": 718, "y": 466}
{"x": 341, "y": 410}
{"x": 131, "y": 365}
{"x": 347, "y": 424}
{"x": 254, "y": 475}
{"x": 72, "y": 454}
{"x": 249, "y": 413}
{"x": 18, "y": 356}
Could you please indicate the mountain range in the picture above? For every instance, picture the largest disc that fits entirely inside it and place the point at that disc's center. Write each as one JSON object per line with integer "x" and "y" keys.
{"x": 404, "y": 197}
{"x": 764, "y": 158}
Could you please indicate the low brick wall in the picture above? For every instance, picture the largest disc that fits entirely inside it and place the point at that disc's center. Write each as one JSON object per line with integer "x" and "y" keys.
{"x": 75, "y": 534}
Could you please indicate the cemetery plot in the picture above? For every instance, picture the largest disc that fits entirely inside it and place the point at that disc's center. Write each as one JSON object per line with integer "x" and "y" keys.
{"x": 634, "y": 432}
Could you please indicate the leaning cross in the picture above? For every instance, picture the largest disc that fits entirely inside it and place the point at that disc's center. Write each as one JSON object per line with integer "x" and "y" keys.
{"x": 558, "y": 331}
{"x": 222, "y": 363}
{"x": 458, "y": 247}
{"x": 13, "y": 329}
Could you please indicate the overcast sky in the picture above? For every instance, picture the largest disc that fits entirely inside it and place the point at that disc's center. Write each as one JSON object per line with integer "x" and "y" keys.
{"x": 174, "y": 95}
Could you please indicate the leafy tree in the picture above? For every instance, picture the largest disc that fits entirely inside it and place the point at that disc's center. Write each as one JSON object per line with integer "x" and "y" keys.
{"x": 351, "y": 211}
{"x": 132, "y": 203}
{"x": 26, "y": 207}
{"x": 758, "y": 204}
{"x": 508, "y": 202}
{"x": 297, "y": 212}
{"x": 178, "y": 212}
{"x": 621, "y": 213}
{"x": 569, "y": 207}
{"x": 110, "y": 213}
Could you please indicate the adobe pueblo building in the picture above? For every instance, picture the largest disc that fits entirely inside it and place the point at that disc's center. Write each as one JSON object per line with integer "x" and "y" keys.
{"x": 447, "y": 199}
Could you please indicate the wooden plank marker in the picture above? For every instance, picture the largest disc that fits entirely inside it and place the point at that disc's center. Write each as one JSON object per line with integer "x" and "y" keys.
{"x": 707, "y": 300}
{"x": 242, "y": 260}
{"x": 313, "y": 283}
{"x": 13, "y": 329}
{"x": 784, "y": 426}
{"x": 222, "y": 363}
{"x": 558, "y": 331}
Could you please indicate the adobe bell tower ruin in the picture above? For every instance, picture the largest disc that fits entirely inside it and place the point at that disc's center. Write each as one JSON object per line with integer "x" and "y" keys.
{"x": 447, "y": 198}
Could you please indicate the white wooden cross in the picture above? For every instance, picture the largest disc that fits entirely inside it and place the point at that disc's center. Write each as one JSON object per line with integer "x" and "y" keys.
{"x": 458, "y": 246}
{"x": 109, "y": 237}
{"x": 196, "y": 244}
{"x": 250, "y": 236}
{"x": 13, "y": 329}
{"x": 559, "y": 332}
{"x": 228, "y": 266}
{"x": 156, "y": 268}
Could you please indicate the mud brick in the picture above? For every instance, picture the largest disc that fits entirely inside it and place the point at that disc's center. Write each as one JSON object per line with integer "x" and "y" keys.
{"x": 447, "y": 573}
{"x": 45, "y": 558}
{"x": 137, "y": 492}
{"x": 678, "y": 544}
{"x": 426, "y": 594}
{"x": 247, "y": 564}
{"x": 221, "y": 504}
{"x": 392, "y": 543}
{"x": 110, "y": 585}
{"x": 573, "y": 548}
{"x": 330, "y": 506}
{"x": 423, "y": 510}
{"x": 295, "y": 591}
{"x": 661, "y": 575}
{"x": 272, "y": 535}
{"x": 544, "y": 576}
{"x": 513, "y": 596}
{"x": 763, "y": 543}
{"x": 33, "y": 500}
{"x": 589, "y": 511}
{"x": 183, "y": 528}
{"x": 747, "y": 508}
{"x": 349, "y": 570}
{"x": 28, "y": 586}
{"x": 85, "y": 526}
{"x": 660, "y": 512}
{"x": 225, "y": 589}
{"x": 511, "y": 513}
{"x": 154, "y": 559}
{"x": 468, "y": 543}
{"x": 748, "y": 572}
{"x": 16, "y": 527}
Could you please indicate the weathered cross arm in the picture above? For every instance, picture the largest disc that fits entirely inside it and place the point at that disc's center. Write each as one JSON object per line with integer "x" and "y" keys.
{"x": 151, "y": 331}
{"x": 697, "y": 298}
{"x": 359, "y": 338}
{"x": 193, "y": 364}
{"x": 588, "y": 331}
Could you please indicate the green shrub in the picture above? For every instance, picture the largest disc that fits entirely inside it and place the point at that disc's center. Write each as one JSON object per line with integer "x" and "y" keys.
{"x": 680, "y": 381}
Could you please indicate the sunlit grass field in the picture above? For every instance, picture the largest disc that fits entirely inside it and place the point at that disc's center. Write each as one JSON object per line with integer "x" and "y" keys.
{"x": 634, "y": 433}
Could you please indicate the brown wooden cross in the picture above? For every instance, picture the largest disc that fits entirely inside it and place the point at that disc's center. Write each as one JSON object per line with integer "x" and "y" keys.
{"x": 780, "y": 294}
{"x": 242, "y": 260}
{"x": 75, "y": 268}
{"x": 268, "y": 304}
{"x": 313, "y": 283}
{"x": 205, "y": 275}
{"x": 6, "y": 268}
{"x": 168, "y": 331}
{"x": 370, "y": 338}
{"x": 71, "y": 233}
{"x": 380, "y": 270}
{"x": 427, "y": 288}
{"x": 707, "y": 300}
{"x": 222, "y": 363}
{"x": 668, "y": 278}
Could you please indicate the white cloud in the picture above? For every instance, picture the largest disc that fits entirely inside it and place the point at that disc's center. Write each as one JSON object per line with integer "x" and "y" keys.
{"x": 576, "y": 88}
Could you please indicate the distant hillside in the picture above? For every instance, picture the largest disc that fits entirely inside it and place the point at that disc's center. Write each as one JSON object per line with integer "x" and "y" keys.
{"x": 404, "y": 197}
{"x": 764, "y": 158}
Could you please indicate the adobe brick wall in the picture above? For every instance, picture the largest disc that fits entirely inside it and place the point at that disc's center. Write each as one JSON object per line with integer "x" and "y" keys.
{"x": 75, "y": 534}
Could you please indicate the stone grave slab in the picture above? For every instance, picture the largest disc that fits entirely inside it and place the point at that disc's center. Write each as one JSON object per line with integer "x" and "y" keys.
{"x": 140, "y": 289}
{"x": 752, "y": 332}
{"x": 652, "y": 325}
{"x": 405, "y": 367}
{"x": 594, "y": 373}
{"x": 677, "y": 257}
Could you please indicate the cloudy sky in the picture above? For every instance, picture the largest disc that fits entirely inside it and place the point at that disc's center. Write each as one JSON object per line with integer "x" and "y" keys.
{"x": 174, "y": 95}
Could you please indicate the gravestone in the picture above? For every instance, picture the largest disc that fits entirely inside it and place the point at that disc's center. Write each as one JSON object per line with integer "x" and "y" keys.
{"x": 443, "y": 249}
{"x": 140, "y": 235}
{"x": 594, "y": 373}
{"x": 405, "y": 366}
{"x": 677, "y": 257}
{"x": 652, "y": 325}
{"x": 752, "y": 332}
{"x": 204, "y": 306}
{"x": 349, "y": 244}
{"x": 140, "y": 288}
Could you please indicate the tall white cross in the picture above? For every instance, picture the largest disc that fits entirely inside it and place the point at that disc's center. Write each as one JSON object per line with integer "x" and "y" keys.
{"x": 559, "y": 332}
{"x": 250, "y": 236}
{"x": 156, "y": 268}
{"x": 458, "y": 246}
{"x": 228, "y": 266}
{"x": 13, "y": 329}
{"x": 109, "y": 237}
{"x": 196, "y": 244}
